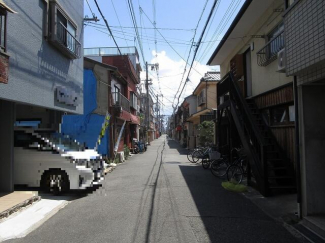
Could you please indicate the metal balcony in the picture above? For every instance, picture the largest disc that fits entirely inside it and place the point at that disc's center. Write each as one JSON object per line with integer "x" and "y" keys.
{"x": 269, "y": 52}
{"x": 67, "y": 42}
{"x": 110, "y": 51}
{"x": 121, "y": 100}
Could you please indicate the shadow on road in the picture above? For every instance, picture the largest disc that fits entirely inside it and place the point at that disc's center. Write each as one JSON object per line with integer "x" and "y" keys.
{"x": 175, "y": 145}
{"x": 68, "y": 196}
{"x": 224, "y": 216}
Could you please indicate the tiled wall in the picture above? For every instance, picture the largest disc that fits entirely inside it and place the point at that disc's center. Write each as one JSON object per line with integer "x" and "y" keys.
{"x": 305, "y": 37}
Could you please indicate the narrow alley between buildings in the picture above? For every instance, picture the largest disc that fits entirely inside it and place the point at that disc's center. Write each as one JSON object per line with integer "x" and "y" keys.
{"x": 159, "y": 196}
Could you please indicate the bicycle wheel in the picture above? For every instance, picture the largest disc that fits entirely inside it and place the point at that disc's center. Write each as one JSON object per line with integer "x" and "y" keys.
{"x": 189, "y": 156}
{"x": 196, "y": 156}
{"x": 206, "y": 163}
{"x": 219, "y": 167}
{"x": 235, "y": 174}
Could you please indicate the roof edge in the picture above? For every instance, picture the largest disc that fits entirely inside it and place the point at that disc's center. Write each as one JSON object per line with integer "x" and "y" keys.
{"x": 231, "y": 28}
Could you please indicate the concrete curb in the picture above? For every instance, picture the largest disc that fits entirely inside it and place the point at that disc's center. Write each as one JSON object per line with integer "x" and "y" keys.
{"x": 16, "y": 208}
{"x": 28, "y": 223}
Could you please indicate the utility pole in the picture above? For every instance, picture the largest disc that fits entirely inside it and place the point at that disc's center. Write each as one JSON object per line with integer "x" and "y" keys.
{"x": 158, "y": 114}
{"x": 153, "y": 66}
{"x": 148, "y": 105}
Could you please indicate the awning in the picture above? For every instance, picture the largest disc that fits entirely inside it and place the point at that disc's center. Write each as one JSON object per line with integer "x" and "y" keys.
{"x": 198, "y": 114}
{"x": 3, "y": 5}
{"x": 129, "y": 117}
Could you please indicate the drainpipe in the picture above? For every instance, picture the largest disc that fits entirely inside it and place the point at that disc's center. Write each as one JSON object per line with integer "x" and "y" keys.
{"x": 206, "y": 93}
{"x": 297, "y": 148}
{"x": 46, "y": 19}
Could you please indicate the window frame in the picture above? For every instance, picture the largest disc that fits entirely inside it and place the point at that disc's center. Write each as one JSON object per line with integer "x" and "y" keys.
{"x": 275, "y": 32}
{"x": 70, "y": 50}
{"x": 3, "y": 14}
{"x": 268, "y": 115}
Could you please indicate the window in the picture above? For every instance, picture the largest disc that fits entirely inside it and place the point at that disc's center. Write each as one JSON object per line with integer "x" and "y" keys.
{"x": 3, "y": 19}
{"x": 278, "y": 43}
{"x": 63, "y": 32}
{"x": 201, "y": 98}
{"x": 133, "y": 100}
{"x": 116, "y": 95}
{"x": 279, "y": 115}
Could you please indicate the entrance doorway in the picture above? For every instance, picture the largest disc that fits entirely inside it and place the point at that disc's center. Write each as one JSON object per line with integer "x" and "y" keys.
{"x": 248, "y": 72}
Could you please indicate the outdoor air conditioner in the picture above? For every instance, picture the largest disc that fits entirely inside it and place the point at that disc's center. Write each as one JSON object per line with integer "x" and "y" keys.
{"x": 281, "y": 61}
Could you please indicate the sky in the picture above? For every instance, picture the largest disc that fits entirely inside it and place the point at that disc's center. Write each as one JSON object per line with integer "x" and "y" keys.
{"x": 179, "y": 25}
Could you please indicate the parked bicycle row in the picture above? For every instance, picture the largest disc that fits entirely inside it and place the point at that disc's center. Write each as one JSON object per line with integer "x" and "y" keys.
{"x": 220, "y": 164}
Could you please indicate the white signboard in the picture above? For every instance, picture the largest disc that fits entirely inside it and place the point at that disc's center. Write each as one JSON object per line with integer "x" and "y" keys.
{"x": 66, "y": 96}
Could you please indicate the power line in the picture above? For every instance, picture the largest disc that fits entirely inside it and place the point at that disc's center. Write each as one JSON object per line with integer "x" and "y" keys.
{"x": 119, "y": 22}
{"x": 166, "y": 40}
{"x": 198, "y": 46}
{"x": 189, "y": 54}
{"x": 136, "y": 28}
{"x": 107, "y": 26}
{"x": 148, "y": 28}
{"x": 90, "y": 8}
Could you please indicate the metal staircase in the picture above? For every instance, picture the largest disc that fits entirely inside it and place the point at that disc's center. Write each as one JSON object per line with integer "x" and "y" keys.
{"x": 270, "y": 168}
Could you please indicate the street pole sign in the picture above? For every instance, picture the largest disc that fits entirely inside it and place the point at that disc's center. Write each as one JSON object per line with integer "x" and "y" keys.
{"x": 103, "y": 130}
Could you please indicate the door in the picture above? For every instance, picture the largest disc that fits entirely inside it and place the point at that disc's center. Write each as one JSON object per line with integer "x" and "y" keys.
{"x": 248, "y": 72}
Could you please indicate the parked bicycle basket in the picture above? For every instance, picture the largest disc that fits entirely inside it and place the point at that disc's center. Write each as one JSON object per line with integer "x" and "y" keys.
{"x": 214, "y": 155}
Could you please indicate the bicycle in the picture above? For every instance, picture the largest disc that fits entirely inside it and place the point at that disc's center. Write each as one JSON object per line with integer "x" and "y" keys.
{"x": 237, "y": 170}
{"x": 190, "y": 154}
{"x": 219, "y": 167}
{"x": 200, "y": 153}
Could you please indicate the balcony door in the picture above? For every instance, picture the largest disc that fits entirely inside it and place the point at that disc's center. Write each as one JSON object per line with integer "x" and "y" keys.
{"x": 248, "y": 72}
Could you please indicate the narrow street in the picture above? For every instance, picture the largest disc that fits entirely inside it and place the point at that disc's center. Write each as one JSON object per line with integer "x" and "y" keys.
{"x": 159, "y": 196}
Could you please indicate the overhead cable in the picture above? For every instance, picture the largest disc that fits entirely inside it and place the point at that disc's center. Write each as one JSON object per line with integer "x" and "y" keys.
{"x": 198, "y": 46}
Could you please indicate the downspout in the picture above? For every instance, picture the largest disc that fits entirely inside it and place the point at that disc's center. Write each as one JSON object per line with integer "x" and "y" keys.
{"x": 46, "y": 19}
{"x": 206, "y": 93}
{"x": 297, "y": 148}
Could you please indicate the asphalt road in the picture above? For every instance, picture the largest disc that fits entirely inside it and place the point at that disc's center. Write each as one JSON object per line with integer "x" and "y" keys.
{"x": 159, "y": 196}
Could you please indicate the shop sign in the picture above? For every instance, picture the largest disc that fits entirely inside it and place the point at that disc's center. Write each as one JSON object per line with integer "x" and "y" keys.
{"x": 66, "y": 96}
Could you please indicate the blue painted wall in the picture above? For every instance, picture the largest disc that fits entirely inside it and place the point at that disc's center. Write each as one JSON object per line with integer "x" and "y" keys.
{"x": 86, "y": 128}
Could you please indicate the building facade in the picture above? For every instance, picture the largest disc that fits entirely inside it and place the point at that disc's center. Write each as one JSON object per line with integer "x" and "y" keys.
{"x": 123, "y": 89}
{"x": 304, "y": 61}
{"x": 42, "y": 69}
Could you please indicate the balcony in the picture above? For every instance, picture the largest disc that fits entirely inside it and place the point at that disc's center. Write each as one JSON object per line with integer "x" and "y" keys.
{"x": 269, "y": 52}
{"x": 121, "y": 100}
{"x": 207, "y": 117}
{"x": 110, "y": 51}
{"x": 66, "y": 42}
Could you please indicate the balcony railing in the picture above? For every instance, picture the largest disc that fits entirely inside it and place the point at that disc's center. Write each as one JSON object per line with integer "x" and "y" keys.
{"x": 208, "y": 117}
{"x": 121, "y": 100}
{"x": 110, "y": 51}
{"x": 67, "y": 41}
{"x": 270, "y": 51}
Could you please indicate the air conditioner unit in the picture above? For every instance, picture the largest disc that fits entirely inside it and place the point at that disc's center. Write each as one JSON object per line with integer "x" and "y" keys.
{"x": 281, "y": 61}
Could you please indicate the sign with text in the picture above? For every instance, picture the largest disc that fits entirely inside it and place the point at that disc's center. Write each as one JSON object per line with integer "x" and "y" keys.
{"x": 66, "y": 96}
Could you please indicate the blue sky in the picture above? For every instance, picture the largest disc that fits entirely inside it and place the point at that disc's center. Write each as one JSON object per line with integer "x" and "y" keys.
{"x": 176, "y": 22}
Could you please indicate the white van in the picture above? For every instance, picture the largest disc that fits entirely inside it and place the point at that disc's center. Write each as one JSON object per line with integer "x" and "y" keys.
{"x": 54, "y": 162}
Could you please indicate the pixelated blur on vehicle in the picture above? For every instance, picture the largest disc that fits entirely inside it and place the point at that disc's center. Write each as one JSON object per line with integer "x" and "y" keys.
{"x": 54, "y": 162}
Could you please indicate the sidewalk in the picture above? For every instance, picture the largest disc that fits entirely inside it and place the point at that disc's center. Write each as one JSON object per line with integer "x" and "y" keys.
{"x": 12, "y": 202}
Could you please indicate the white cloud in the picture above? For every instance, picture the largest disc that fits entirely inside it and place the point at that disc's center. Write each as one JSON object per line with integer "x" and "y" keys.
{"x": 170, "y": 73}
